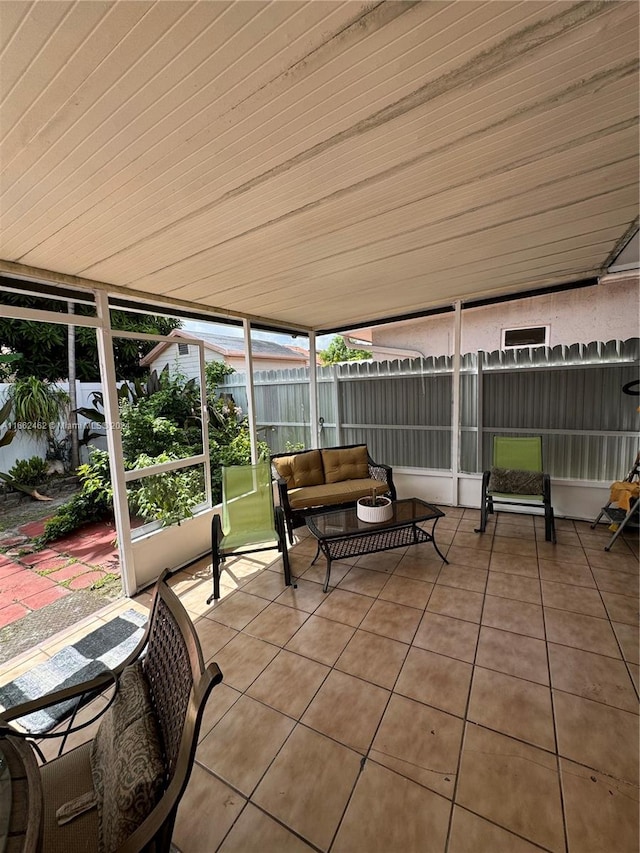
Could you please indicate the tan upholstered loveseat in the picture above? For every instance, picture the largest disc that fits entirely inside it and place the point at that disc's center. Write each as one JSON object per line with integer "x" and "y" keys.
{"x": 312, "y": 481}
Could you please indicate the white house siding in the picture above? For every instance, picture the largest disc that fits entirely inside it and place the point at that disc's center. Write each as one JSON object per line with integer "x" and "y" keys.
{"x": 189, "y": 364}
{"x": 606, "y": 311}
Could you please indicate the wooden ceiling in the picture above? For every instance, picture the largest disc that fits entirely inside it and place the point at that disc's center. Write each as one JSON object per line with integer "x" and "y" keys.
{"x": 317, "y": 164}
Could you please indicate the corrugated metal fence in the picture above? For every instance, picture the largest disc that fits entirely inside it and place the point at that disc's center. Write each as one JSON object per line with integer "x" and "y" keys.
{"x": 572, "y": 396}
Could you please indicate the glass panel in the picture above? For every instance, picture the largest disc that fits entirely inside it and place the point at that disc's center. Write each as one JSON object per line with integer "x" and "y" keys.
{"x": 164, "y": 499}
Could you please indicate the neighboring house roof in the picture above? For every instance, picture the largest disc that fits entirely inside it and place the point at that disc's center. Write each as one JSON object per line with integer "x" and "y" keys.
{"x": 230, "y": 347}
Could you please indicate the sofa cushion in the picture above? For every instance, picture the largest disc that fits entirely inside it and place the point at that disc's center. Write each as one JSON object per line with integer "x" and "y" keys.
{"x": 307, "y": 469}
{"x": 284, "y": 467}
{"x": 348, "y": 463}
{"x": 334, "y": 493}
{"x": 126, "y": 761}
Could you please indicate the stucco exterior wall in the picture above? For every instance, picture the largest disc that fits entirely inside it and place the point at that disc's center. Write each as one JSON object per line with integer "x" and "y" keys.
{"x": 606, "y": 311}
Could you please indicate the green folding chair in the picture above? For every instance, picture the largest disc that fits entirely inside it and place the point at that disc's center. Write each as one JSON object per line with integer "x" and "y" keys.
{"x": 250, "y": 523}
{"x": 517, "y": 479}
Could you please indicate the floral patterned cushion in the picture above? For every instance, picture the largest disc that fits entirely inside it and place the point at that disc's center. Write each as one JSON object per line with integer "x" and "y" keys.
{"x": 511, "y": 481}
{"x": 126, "y": 761}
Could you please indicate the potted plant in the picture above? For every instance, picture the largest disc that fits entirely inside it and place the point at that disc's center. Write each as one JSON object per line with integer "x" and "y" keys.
{"x": 374, "y": 509}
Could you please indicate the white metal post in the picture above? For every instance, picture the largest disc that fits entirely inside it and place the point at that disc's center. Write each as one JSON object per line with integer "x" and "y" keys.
{"x": 114, "y": 442}
{"x": 313, "y": 391}
{"x": 251, "y": 408}
{"x": 455, "y": 403}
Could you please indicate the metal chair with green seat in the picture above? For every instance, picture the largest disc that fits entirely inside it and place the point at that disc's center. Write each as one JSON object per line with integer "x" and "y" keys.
{"x": 250, "y": 522}
{"x": 517, "y": 479}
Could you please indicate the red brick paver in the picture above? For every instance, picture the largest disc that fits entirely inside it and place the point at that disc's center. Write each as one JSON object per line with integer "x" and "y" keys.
{"x": 41, "y": 599}
{"x": 11, "y": 614}
{"x": 84, "y": 581}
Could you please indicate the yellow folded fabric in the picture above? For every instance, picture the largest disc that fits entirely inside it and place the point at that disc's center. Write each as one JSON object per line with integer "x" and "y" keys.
{"x": 622, "y": 493}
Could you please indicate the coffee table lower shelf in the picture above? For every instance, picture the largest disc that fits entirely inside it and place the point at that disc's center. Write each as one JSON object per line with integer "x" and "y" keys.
{"x": 359, "y": 544}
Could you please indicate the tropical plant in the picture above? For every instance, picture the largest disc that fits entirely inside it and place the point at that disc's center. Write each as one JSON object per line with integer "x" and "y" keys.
{"x": 37, "y": 405}
{"x": 29, "y": 472}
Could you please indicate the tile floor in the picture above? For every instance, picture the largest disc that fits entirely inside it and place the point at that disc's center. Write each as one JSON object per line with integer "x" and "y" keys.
{"x": 483, "y": 706}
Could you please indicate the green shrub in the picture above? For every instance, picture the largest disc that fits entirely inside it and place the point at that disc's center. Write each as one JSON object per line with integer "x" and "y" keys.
{"x": 167, "y": 497}
{"x": 93, "y": 502}
{"x": 29, "y": 472}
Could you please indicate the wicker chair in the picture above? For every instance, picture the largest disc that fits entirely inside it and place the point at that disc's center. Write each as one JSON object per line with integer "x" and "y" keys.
{"x": 169, "y": 664}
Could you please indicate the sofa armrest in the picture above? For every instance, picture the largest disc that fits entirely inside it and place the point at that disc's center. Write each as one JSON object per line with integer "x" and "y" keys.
{"x": 384, "y": 473}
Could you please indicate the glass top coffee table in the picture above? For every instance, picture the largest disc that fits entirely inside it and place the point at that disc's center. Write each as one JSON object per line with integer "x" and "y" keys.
{"x": 341, "y": 534}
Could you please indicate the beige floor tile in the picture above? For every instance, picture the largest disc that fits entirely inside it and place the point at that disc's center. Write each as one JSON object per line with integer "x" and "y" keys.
{"x": 463, "y": 578}
{"x": 240, "y": 760}
{"x": 407, "y": 591}
{"x": 374, "y": 658}
{"x": 512, "y": 784}
{"x": 418, "y": 568}
{"x": 581, "y": 632}
{"x": 473, "y": 834}
{"x": 237, "y": 610}
{"x": 514, "y": 565}
{"x": 601, "y": 812}
{"x": 385, "y": 561}
{"x": 266, "y": 585}
{"x": 419, "y": 742}
{"x": 350, "y": 608}
{"x": 242, "y": 660}
{"x": 513, "y": 706}
{"x": 392, "y": 620}
{"x": 519, "y": 547}
{"x": 206, "y": 813}
{"x": 221, "y": 698}
{"x": 592, "y": 676}
{"x": 514, "y": 586}
{"x": 513, "y": 654}
{"x": 364, "y": 581}
{"x": 310, "y": 803}
{"x": 256, "y": 832}
{"x": 622, "y": 583}
{"x": 458, "y": 603}
{"x": 475, "y": 558}
{"x": 553, "y": 570}
{"x": 306, "y": 595}
{"x": 289, "y": 683}
{"x": 614, "y": 560}
{"x": 321, "y": 639}
{"x": 577, "y": 599}
{"x": 629, "y": 639}
{"x": 409, "y": 818}
{"x": 435, "y": 680}
{"x": 276, "y": 624}
{"x": 447, "y": 636}
{"x": 575, "y": 556}
{"x": 621, "y": 608}
{"x": 598, "y": 736}
{"x": 317, "y": 572}
{"x": 564, "y": 537}
{"x": 517, "y": 616}
{"x": 213, "y": 636}
{"x": 470, "y": 539}
{"x": 347, "y": 709}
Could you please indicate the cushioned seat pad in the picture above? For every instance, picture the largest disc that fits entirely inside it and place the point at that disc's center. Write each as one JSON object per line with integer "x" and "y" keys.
{"x": 333, "y": 493}
{"x": 63, "y": 780}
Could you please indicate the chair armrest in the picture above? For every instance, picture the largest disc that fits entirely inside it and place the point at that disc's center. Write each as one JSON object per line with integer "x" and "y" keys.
{"x": 384, "y": 473}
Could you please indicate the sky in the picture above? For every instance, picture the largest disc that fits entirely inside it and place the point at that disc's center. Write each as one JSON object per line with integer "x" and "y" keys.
{"x": 322, "y": 341}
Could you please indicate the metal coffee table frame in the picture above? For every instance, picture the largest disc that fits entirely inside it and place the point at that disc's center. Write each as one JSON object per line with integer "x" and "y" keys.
{"x": 341, "y": 534}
